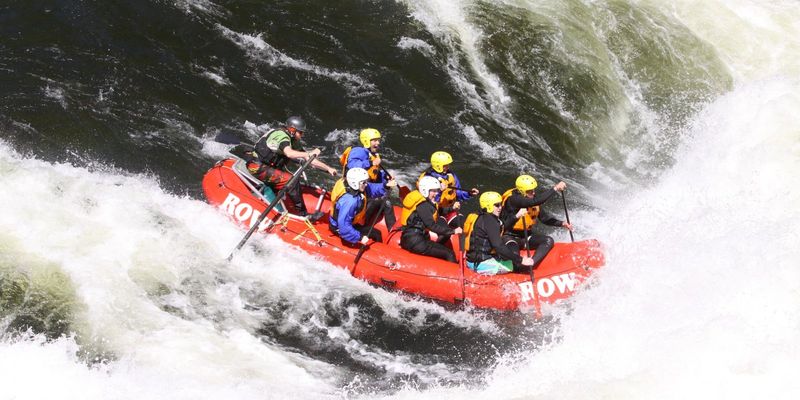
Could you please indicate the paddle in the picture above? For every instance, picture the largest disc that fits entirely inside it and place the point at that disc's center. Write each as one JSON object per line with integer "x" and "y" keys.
{"x": 527, "y": 244}
{"x": 462, "y": 264}
{"x": 277, "y": 199}
{"x": 403, "y": 191}
{"x": 566, "y": 212}
{"x": 364, "y": 245}
{"x": 229, "y": 138}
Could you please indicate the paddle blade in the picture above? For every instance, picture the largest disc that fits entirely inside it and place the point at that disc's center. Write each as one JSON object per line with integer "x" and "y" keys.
{"x": 227, "y": 138}
{"x": 358, "y": 256}
{"x": 404, "y": 191}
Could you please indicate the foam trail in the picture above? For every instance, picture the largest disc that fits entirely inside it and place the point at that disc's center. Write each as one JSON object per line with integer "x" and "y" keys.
{"x": 700, "y": 297}
{"x": 258, "y": 49}
{"x": 153, "y": 298}
{"x": 768, "y": 46}
{"x": 128, "y": 248}
{"x": 701, "y": 294}
{"x": 449, "y": 22}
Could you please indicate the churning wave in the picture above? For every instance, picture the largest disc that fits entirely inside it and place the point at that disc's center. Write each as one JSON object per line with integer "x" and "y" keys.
{"x": 675, "y": 126}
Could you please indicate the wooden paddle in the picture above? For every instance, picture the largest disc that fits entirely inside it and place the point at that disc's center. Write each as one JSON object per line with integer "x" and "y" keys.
{"x": 403, "y": 190}
{"x": 229, "y": 138}
{"x": 277, "y": 199}
{"x": 527, "y": 245}
{"x": 566, "y": 212}
{"x": 364, "y": 245}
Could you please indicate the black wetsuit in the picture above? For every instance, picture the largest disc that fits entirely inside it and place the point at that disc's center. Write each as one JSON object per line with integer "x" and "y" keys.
{"x": 515, "y": 238}
{"x": 485, "y": 241}
{"x": 415, "y": 233}
{"x": 382, "y": 205}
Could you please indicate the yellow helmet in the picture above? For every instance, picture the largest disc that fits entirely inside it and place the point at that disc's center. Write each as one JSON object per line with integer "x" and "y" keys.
{"x": 525, "y": 183}
{"x": 488, "y": 200}
{"x": 367, "y": 135}
{"x": 439, "y": 159}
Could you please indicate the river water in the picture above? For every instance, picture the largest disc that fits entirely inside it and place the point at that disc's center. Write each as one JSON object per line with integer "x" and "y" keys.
{"x": 674, "y": 124}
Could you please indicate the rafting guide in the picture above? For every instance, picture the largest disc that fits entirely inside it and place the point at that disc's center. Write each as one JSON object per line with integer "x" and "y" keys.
{"x": 273, "y": 150}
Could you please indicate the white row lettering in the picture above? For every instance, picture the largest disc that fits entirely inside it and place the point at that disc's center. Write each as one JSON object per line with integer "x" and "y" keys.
{"x": 547, "y": 286}
{"x": 242, "y": 211}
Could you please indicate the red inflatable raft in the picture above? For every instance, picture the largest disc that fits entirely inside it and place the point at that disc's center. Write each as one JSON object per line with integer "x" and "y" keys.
{"x": 230, "y": 187}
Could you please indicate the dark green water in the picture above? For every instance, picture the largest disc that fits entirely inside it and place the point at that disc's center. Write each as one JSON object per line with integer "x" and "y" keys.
{"x": 128, "y": 83}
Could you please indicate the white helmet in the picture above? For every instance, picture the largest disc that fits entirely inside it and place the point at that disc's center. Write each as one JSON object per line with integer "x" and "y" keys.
{"x": 428, "y": 183}
{"x": 355, "y": 176}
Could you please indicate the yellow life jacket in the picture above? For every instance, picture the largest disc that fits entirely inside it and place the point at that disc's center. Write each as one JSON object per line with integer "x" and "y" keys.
{"x": 529, "y": 219}
{"x": 338, "y": 190}
{"x": 343, "y": 159}
{"x": 469, "y": 224}
{"x": 373, "y": 171}
{"x": 448, "y": 196}
{"x": 410, "y": 203}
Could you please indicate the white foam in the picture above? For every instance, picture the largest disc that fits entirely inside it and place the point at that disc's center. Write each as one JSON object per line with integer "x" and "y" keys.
{"x": 155, "y": 293}
{"x": 119, "y": 239}
{"x": 27, "y": 362}
{"x": 700, "y": 295}
{"x": 56, "y": 93}
{"x": 203, "y": 6}
{"x": 217, "y": 78}
{"x": 258, "y": 49}
{"x": 764, "y": 42}
{"x": 407, "y": 43}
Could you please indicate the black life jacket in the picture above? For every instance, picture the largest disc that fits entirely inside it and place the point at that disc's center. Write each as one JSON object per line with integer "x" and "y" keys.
{"x": 267, "y": 155}
{"x": 480, "y": 248}
{"x": 414, "y": 223}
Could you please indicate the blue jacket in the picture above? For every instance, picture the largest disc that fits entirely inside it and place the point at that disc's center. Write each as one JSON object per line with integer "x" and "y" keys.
{"x": 346, "y": 208}
{"x": 359, "y": 158}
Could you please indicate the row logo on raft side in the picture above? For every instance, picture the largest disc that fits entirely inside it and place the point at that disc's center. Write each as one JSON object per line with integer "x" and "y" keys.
{"x": 243, "y": 212}
{"x": 547, "y": 286}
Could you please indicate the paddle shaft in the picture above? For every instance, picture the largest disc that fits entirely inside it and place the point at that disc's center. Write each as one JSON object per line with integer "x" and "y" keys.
{"x": 228, "y": 138}
{"x": 388, "y": 175}
{"x": 402, "y": 190}
{"x": 527, "y": 243}
{"x": 371, "y": 227}
{"x": 462, "y": 263}
{"x": 277, "y": 199}
{"x": 566, "y": 212}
